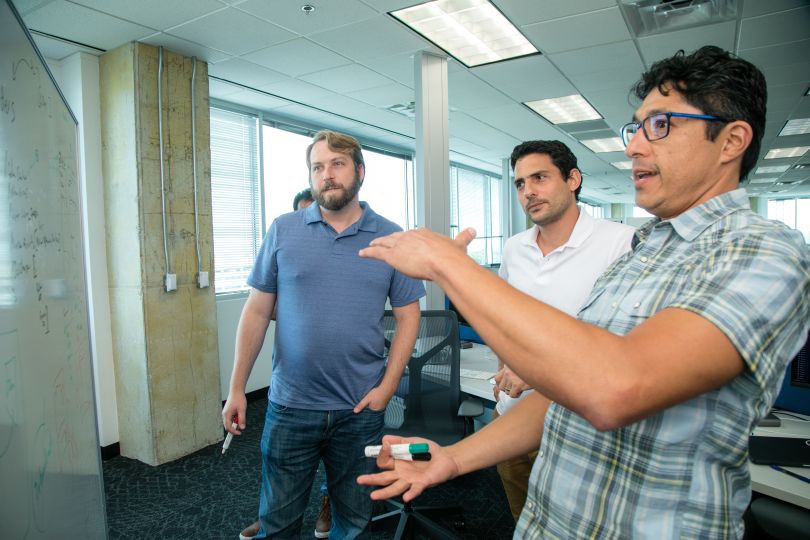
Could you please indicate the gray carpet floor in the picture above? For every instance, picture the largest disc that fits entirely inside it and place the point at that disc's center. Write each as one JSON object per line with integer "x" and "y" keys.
{"x": 210, "y": 496}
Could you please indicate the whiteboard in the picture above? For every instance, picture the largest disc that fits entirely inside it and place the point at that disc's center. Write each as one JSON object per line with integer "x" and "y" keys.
{"x": 50, "y": 464}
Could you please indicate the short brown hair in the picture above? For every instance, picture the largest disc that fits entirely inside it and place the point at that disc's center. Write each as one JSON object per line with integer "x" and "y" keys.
{"x": 338, "y": 142}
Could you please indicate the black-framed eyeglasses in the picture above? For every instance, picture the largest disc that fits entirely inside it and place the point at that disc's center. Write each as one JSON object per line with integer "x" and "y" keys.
{"x": 656, "y": 126}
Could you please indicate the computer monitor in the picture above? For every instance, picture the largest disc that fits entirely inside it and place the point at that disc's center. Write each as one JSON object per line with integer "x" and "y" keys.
{"x": 795, "y": 394}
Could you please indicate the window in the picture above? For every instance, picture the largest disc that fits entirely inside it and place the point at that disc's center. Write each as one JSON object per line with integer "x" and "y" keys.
{"x": 475, "y": 201}
{"x": 235, "y": 198}
{"x": 285, "y": 169}
{"x": 641, "y": 213}
{"x": 795, "y": 213}
{"x": 239, "y": 194}
{"x": 594, "y": 210}
{"x": 385, "y": 188}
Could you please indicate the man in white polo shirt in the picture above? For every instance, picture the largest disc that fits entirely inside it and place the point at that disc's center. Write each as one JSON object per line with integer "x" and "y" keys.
{"x": 556, "y": 261}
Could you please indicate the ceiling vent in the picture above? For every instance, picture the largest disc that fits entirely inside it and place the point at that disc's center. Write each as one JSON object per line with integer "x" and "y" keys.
{"x": 649, "y": 17}
{"x": 405, "y": 109}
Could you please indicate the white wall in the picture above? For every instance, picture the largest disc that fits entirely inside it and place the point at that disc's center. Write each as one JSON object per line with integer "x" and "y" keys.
{"x": 77, "y": 76}
{"x": 228, "y": 312}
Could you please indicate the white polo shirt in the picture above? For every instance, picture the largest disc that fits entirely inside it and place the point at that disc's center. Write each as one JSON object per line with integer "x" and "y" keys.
{"x": 564, "y": 278}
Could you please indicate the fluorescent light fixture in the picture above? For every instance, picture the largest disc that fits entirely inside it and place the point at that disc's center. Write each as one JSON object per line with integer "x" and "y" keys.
{"x": 795, "y": 151}
{"x": 564, "y": 110}
{"x": 771, "y": 169}
{"x": 623, "y": 165}
{"x": 473, "y": 31}
{"x": 763, "y": 180}
{"x": 797, "y": 126}
{"x": 611, "y": 144}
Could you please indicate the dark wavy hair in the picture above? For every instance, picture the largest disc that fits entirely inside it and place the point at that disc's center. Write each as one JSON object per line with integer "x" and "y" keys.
{"x": 561, "y": 156}
{"x": 303, "y": 195}
{"x": 717, "y": 83}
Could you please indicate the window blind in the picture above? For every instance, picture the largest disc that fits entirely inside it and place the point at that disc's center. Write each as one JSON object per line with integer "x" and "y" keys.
{"x": 475, "y": 201}
{"x": 235, "y": 198}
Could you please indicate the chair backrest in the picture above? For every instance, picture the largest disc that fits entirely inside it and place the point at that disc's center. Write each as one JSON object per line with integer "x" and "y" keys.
{"x": 427, "y": 399}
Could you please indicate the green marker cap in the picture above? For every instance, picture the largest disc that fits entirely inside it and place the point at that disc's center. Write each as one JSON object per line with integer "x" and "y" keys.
{"x": 419, "y": 448}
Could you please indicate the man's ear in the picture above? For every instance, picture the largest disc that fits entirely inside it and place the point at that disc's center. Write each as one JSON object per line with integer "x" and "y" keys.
{"x": 574, "y": 180}
{"x": 361, "y": 173}
{"x": 737, "y": 137}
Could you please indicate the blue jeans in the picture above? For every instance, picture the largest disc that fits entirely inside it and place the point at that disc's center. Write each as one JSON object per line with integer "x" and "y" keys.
{"x": 293, "y": 442}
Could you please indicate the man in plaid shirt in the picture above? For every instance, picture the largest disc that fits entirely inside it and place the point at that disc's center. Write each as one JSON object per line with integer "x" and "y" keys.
{"x": 676, "y": 355}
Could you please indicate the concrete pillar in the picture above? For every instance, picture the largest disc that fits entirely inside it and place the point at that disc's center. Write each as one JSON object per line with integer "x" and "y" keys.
{"x": 164, "y": 344}
{"x": 432, "y": 167}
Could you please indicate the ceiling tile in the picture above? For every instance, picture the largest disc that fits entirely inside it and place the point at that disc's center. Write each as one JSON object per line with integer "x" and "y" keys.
{"x": 56, "y": 49}
{"x": 468, "y": 92}
{"x": 187, "y": 48}
{"x": 84, "y": 25}
{"x": 157, "y": 14}
{"x": 350, "y": 78}
{"x": 791, "y": 25}
{"x": 295, "y": 90}
{"x": 521, "y": 12}
{"x": 385, "y": 6}
{"x": 614, "y": 66}
{"x": 385, "y": 96}
{"x": 327, "y": 15}
{"x": 526, "y": 79}
{"x": 371, "y": 38}
{"x": 246, "y": 73}
{"x": 309, "y": 57}
{"x": 257, "y": 100}
{"x": 399, "y": 67}
{"x": 578, "y": 31}
{"x": 654, "y": 48}
{"x": 754, "y": 9}
{"x": 232, "y": 31}
{"x": 221, "y": 89}
{"x": 518, "y": 121}
{"x": 466, "y": 127}
{"x": 24, "y": 7}
{"x": 778, "y": 55}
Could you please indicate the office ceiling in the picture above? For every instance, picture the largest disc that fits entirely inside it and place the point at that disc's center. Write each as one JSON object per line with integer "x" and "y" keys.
{"x": 347, "y": 64}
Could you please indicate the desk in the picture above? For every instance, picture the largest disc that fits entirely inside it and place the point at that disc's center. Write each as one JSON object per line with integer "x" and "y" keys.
{"x": 774, "y": 483}
{"x": 764, "y": 480}
{"x": 479, "y": 358}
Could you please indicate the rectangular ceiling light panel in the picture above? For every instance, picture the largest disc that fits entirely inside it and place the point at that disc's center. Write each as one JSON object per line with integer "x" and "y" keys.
{"x": 795, "y": 151}
{"x": 473, "y": 31}
{"x": 566, "y": 109}
{"x": 797, "y": 126}
{"x": 612, "y": 144}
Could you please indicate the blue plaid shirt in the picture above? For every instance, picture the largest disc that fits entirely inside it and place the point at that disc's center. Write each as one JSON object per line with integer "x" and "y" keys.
{"x": 681, "y": 473}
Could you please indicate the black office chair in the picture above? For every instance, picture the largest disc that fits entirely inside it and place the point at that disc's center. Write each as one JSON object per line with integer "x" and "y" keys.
{"x": 426, "y": 404}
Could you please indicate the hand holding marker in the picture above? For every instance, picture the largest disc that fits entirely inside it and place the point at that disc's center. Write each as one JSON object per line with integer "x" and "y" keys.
{"x": 229, "y": 436}
{"x": 407, "y": 452}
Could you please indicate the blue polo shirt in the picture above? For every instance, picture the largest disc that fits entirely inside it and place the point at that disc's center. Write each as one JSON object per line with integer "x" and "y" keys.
{"x": 329, "y": 336}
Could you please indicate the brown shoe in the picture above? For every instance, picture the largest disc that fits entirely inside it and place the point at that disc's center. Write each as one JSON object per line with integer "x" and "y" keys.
{"x": 324, "y": 523}
{"x": 250, "y": 531}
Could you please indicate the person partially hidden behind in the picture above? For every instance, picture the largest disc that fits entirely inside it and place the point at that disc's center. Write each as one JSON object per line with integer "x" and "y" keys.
{"x": 556, "y": 261}
{"x": 676, "y": 354}
{"x": 301, "y": 200}
{"x": 330, "y": 382}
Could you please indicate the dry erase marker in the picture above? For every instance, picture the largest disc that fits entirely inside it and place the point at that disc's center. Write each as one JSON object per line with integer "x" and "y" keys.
{"x": 409, "y": 452}
{"x": 229, "y": 437}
